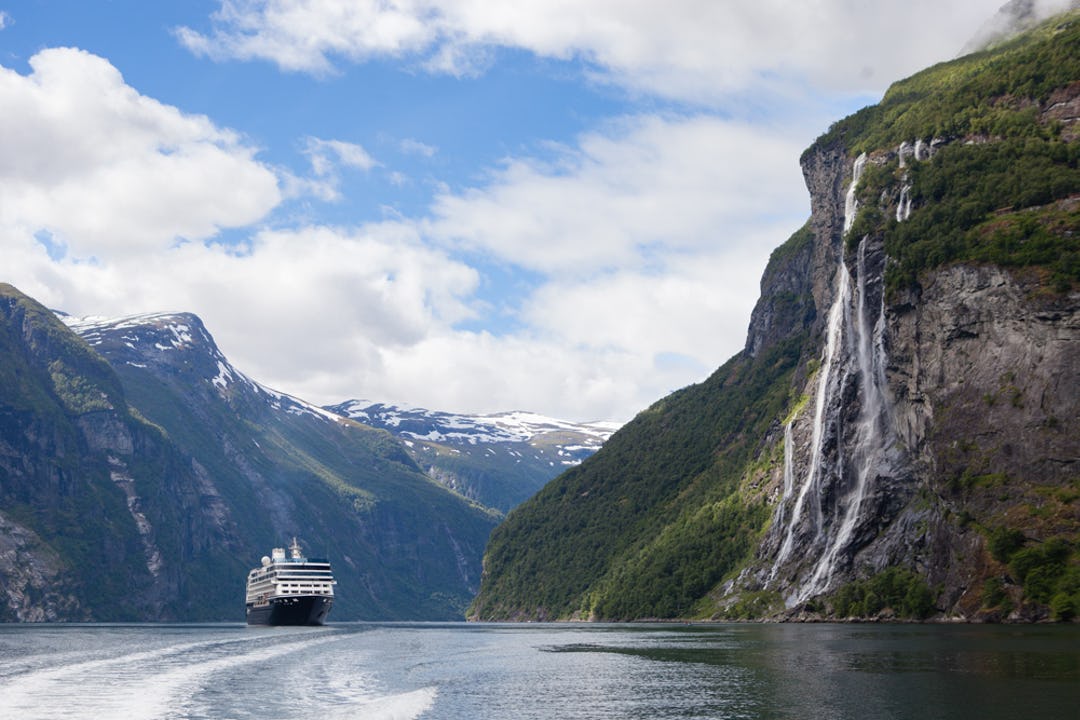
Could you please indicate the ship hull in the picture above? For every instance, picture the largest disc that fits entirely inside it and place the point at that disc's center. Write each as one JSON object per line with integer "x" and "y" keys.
{"x": 300, "y": 610}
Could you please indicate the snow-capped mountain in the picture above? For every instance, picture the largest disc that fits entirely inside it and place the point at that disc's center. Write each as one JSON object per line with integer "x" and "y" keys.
{"x": 141, "y": 340}
{"x": 249, "y": 468}
{"x": 498, "y": 459}
{"x": 458, "y": 429}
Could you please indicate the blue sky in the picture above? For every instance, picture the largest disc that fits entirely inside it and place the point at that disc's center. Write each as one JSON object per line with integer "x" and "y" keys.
{"x": 561, "y": 207}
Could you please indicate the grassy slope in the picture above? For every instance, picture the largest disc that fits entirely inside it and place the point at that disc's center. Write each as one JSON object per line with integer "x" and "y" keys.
{"x": 645, "y": 527}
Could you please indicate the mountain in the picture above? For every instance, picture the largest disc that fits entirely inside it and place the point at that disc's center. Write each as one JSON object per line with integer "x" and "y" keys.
{"x": 141, "y": 475}
{"x": 898, "y": 436}
{"x": 499, "y": 460}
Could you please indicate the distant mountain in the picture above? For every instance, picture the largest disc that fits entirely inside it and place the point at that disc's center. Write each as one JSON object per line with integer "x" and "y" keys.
{"x": 141, "y": 475}
{"x": 499, "y": 460}
{"x": 898, "y": 437}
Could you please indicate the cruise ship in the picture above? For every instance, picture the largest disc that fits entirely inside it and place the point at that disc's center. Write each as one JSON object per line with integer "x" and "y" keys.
{"x": 290, "y": 591}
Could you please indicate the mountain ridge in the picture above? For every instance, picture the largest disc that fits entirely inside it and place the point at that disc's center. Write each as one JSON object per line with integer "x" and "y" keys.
{"x": 498, "y": 459}
{"x": 893, "y": 440}
{"x": 178, "y": 472}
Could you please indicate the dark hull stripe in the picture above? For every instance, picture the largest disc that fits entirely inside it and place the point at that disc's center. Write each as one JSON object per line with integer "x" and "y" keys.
{"x": 300, "y": 610}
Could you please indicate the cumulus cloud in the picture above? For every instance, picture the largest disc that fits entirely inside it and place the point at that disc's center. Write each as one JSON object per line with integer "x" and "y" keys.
{"x": 100, "y": 168}
{"x": 411, "y": 146}
{"x": 327, "y": 157}
{"x": 641, "y": 241}
{"x": 301, "y": 35}
{"x": 628, "y": 197}
{"x": 699, "y": 50}
{"x": 638, "y": 238}
{"x": 305, "y": 310}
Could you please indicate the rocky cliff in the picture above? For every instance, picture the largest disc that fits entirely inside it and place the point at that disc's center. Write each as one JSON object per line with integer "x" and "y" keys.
{"x": 933, "y": 418}
{"x": 898, "y": 436}
{"x": 79, "y": 500}
{"x": 142, "y": 475}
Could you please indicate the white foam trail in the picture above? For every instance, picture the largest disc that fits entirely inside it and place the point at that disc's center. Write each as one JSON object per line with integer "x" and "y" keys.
{"x": 406, "y": 706}
{"x": 138, "y": 685}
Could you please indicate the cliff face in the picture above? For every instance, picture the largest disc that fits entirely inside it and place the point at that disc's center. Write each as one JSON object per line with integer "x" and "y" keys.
{"x": 79, "y": 537}
{"x": 934, "y": 415}
{"x": 898, "y": 436}
{"x": 986, "y": 379}
{"x": 141, "y": 476}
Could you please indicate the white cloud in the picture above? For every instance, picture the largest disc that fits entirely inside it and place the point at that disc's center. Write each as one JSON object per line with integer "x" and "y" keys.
{"x": 87, "y": 159}
{"x": 326, "y": 158}
{"x": 700, "y": 50}
{"x": 326, "y": 155}
{"x": 625, "y": 199}
{"x": 643, "y": 240}
{"x": 409, "y": 146}
{"x": 299, "y": 35}
{"x": 698, "y": 308}
{"x": 659, "y": 298}
{"x": 5, "y": 20}
{"x": 309, "y": 311}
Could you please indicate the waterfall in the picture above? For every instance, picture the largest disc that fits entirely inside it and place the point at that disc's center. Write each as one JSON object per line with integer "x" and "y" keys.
{"x": 903, "y": 152}
{"x": 828, "y": 382}
{"x": 789, "y": 471}
{"x": 871, "y": 437}
{"x": 827, "y": 385}
{"x": 851, "y": 203}
{"x": 854, "y": 353}
{"x": 922, "y": 150}
{"x": 903, "y": 206}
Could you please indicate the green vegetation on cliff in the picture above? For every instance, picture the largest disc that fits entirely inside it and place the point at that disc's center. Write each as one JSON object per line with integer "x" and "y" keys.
{"x": 651, "y": 523}
{"x": 1002, "y": 186}
{"x": 1011, "y": 202}
{"x": 992, "y": 93}
{"x": 674, "y": 504}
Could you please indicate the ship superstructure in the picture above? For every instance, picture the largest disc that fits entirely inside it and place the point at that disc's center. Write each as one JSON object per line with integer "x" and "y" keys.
{"x": 292, "y": 590}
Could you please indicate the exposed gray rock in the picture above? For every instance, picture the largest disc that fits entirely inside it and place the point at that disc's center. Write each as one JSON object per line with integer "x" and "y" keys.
{"x": 977, "y": 378}
{"x": 33, "y": 584}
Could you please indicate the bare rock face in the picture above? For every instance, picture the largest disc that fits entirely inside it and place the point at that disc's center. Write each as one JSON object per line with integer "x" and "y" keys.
{"x": 927, "y": 419}
{"x": 33, "y": 585}
{"x": 985, "y": 376}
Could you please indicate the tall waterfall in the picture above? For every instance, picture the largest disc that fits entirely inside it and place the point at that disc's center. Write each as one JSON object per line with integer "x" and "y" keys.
{"x": 789, "y": 471}
{"x": 828, "y": 382}
{"x": 870, "y": 440}
{"x": 854, "y": 353}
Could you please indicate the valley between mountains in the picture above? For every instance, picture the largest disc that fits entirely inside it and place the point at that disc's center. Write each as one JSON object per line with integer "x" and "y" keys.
{"x": 897, "y": 440}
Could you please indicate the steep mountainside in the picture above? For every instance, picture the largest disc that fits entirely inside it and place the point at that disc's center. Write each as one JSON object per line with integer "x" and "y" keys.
{"x": 498, "y": 460}
{"x": 174, "y": 472}
{"x": 898, "y": 436}
{"x": 80, "y": 493}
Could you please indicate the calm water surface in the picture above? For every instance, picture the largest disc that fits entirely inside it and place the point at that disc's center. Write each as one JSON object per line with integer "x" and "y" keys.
{"x": 405, "y": 671}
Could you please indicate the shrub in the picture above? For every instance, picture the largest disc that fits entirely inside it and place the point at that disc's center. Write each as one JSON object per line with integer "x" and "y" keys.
{"x": 903, "y": 591}
{"x": 1004, "y": 542}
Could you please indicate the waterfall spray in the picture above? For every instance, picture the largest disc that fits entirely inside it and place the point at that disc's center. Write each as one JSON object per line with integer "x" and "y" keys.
{"x": 871, "y": 436}
{"x": 827, "y": 385}
{"x": 854, "y": 352}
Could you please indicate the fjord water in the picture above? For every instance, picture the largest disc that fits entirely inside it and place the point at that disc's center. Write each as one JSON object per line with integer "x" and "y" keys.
{"x": 471, "y": 672}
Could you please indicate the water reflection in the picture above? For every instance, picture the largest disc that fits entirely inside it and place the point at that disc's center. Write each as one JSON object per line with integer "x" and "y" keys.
{"x": 545, "y": 672}
{"x": 853, "y": 671}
